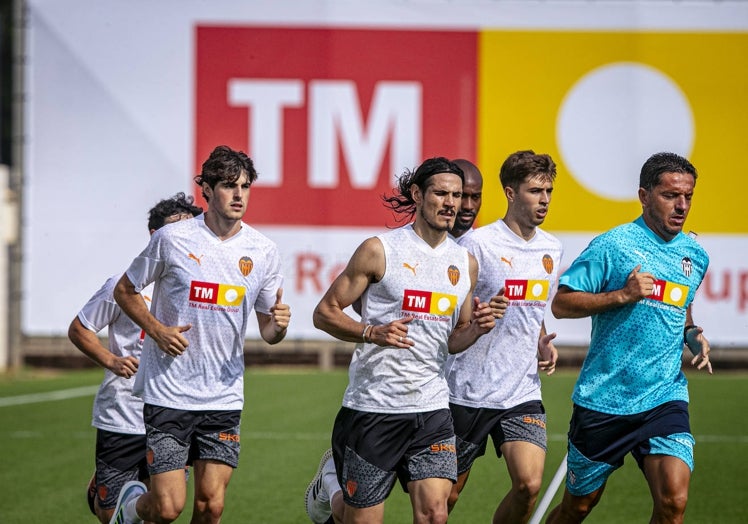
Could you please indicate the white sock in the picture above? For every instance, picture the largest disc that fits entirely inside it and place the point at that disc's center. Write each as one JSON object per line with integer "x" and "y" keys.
{"x": 330, "y": 479}
{"x": 131, "y": 513}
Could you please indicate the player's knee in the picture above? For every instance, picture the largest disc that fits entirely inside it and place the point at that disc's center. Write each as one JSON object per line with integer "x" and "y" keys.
{"x": 167, "y": 516}
{"x": 168, "y": 511}
{"x": 575, "y": 513}
{"x": 528, "y": 488}
{"x": 576, "y": 509}
{"x": 437, "y": 516}
{"x": 210, "y": 510}
{"x": 566, "y": 514}
{"x": 433, "y": 513}
{"x": 673, "y": 505}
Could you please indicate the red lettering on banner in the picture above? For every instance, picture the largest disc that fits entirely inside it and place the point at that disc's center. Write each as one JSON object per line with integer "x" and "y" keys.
{"x": 331, "y": 116}
{"x": 719, "y": 294}
{"x": 310, "y": 270}
{"x": 722, "y": 287}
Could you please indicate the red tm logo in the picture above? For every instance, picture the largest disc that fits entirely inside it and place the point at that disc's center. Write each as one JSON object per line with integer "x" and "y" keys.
{"x": 331, "y": 116}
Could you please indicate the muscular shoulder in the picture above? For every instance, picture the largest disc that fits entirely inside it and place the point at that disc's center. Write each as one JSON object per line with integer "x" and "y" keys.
{"x": 369, "y": 259}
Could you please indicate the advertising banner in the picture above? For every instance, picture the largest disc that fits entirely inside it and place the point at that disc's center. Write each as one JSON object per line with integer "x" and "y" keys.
{"x": 334, "y": 100}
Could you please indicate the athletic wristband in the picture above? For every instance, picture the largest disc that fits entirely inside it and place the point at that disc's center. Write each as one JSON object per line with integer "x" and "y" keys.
{"x": 686, "y": 329}
{"x": 366, "y": 332}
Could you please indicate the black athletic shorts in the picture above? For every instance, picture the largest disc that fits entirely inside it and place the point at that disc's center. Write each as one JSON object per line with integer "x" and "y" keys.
{"x": 120, "y": 458}
{"x": 525, "y": 423}
{"x": 176, "y": 438}
{"x": 371, "y": 450}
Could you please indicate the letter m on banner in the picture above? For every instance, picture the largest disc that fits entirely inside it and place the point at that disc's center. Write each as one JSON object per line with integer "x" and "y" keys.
{"x": 332, "y": 116}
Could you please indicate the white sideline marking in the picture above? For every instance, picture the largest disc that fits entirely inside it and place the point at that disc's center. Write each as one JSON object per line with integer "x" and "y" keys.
{"x": 85, "y": 391}
{"x": 61, "y": 394}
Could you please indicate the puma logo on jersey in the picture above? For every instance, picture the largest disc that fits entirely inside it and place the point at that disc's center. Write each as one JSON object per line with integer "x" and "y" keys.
{"x": 196, "y": 259}
{"x": 412, "y": 268}
{"x": 507, "y": 261}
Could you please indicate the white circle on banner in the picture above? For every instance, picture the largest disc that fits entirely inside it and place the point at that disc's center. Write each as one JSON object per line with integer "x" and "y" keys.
{"x": 614, "y": 118}
{"x": 676, "y": 294}
{"x": 537, "y": 290}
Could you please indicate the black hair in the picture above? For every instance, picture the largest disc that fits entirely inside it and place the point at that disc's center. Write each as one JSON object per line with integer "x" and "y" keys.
{"x": 661, "y": 163}
{"x": 518, "y": 166}
{"x": 225, "y": 165}
{"x": 402, "y": 202}
{"x": 178, "y": 204}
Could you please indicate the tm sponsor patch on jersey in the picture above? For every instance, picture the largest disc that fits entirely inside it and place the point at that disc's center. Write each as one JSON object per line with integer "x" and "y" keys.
{"x": 216, "y": 294}
{"x": 527, "y": 289}
{"x": 669, "y": 293}
{"x": 438, "y": 305}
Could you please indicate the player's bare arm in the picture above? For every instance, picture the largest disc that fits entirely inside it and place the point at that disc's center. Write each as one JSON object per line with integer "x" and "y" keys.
{"x": 578, "y": 304}
{"x": 273, "y": 327}
{"x": 366, "y": 265}
{"x": 89, "y": 344}
{"x": 168, "y": 338}
{"x": 547, "y": 352}
{"x": 476, "y": 317}
{"x": 697, "y": 344}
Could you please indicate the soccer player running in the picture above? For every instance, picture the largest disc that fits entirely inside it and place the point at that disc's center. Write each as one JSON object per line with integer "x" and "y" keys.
{"x": 415, "y": 285}
{"x": 117, "y": 414}
{"x": 472, "y": 197}
{"x": 495, "y": 387}
{"x": 209, "y": 273}
{"x": 323, "y": 497}
{"x": 637, "y": 282}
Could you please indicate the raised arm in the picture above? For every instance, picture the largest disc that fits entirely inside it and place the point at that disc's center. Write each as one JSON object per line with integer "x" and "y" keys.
{"x": 273, "y": 327}
{"x": 578, "y": 304}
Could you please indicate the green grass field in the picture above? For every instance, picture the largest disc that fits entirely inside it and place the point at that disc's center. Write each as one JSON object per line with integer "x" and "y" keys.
{"x": 47, "y": 447}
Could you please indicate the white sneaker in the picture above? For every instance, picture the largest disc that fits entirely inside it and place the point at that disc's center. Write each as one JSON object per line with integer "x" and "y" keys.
{"x": 317, "y": 499}
{"x": 129, "y": 491}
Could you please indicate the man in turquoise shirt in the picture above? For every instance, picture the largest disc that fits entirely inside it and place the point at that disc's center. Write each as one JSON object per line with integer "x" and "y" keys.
{"x": 637, "y": 282}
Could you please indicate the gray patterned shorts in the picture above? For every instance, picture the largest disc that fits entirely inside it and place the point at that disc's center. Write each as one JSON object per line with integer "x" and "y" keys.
{"x": 525, "y": 422}
{"x": 176, "y": 438}
{"x": 372, "y": 450}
